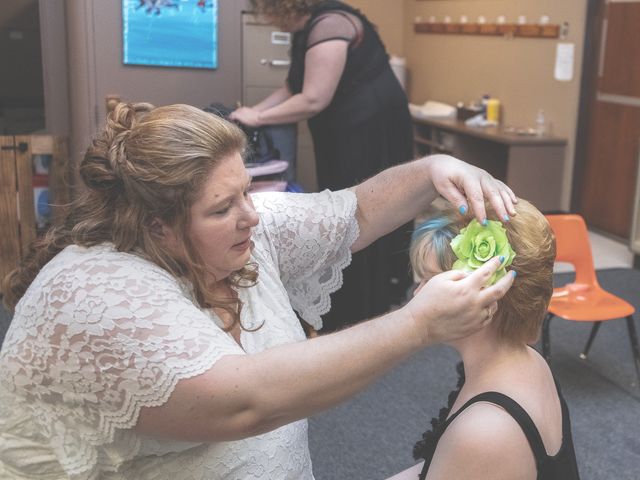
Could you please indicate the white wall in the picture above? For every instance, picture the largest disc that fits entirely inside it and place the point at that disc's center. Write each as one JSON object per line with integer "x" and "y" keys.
{"x": 518, "y": 71}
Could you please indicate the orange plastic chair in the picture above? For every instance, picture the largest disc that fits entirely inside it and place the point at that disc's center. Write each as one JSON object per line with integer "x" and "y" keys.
{"x": 584, "y": 300}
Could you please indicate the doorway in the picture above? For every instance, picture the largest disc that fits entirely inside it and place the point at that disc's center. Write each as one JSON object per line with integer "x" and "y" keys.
{"x": 608, "y": 138}
{"x": 21, "y": 82}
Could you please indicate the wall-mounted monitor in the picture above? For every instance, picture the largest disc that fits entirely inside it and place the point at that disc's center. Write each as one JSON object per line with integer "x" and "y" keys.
{"x": 170, "y": 33}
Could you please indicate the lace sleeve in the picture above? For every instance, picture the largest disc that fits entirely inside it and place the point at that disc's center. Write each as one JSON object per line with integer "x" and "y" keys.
{"x": 99, "y": 335}
{"x": 309, "y": 236}
{"x": 334, "y": 26}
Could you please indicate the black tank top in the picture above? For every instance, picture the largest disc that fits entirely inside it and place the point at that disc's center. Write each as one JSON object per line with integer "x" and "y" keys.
{"x": 364, "y": 62}
{"x": 562, "y": 466}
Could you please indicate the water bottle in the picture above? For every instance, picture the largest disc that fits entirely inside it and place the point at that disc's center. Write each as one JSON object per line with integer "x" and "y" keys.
{"x": 541, "y": 123}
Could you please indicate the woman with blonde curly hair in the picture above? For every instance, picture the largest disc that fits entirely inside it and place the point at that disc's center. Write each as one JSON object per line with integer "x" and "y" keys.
{"x": 341, "y": 82}
{"x": 508, "y": 419}
{"x": 155, "y": 333}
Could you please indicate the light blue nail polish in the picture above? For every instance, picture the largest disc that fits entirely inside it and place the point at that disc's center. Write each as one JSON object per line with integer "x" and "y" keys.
{"x": 515, "y": 274}
{"x": 506, "y": 218}
{"x": 485, "y": 222}
{"x": 501, "y": 258}
{"x": 463, "y": 209}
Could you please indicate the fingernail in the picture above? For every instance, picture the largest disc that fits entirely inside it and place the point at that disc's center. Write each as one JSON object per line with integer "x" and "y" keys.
{"x": 515, "y": 274}
{"x": 485, "y": 222}
{"x": 463, "y": 209}
{"x": 501, "y": 258}
{"x": 506, "y": 218}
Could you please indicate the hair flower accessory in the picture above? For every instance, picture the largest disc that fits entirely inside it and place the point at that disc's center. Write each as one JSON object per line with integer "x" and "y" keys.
{"x": 477, "y": 244}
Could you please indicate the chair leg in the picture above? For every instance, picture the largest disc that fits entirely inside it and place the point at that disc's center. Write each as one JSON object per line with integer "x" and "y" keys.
{"x": 546, "y": 344}
{"x": 592, "y": 336}
{"x": 633, "y": 337}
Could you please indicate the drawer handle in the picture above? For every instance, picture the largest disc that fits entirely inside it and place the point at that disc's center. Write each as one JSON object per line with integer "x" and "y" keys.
{"x": 275, "y": 63}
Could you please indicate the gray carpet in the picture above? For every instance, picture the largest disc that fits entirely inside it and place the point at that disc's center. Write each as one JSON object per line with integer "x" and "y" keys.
{"x": 371, "y": 437}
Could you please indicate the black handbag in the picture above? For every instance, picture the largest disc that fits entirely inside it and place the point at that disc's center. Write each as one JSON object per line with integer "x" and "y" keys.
{"x": 260, "y": 141}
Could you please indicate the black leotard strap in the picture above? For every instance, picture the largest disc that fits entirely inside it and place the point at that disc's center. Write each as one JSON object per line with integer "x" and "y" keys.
{"x": 519, "y": 415}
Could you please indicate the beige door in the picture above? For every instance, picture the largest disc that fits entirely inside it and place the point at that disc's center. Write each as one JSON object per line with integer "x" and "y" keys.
{"x": 265, "y": 63}
{"x": 607, "y": 194}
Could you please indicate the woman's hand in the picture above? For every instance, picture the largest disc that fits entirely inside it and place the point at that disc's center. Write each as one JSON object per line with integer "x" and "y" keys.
{"x": 467, "y": 186}
{"x": 247, "y": 116}
{"x": 407, "y": 189}
{"x": 454, "y": 304}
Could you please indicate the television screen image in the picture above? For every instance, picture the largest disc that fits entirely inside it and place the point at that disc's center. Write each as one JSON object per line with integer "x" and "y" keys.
{"x": 170, "y": 33}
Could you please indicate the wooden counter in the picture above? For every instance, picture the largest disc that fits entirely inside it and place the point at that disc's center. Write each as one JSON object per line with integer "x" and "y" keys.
{"x": 532, "y": 166}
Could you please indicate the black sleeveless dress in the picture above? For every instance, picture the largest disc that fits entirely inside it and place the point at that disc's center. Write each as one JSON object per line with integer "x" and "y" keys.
{"x": 365, "y": 129}
{"x": 562, "y": 466}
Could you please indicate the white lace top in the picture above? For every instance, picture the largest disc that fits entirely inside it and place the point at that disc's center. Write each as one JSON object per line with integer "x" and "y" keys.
{"x": 100, "y": 334}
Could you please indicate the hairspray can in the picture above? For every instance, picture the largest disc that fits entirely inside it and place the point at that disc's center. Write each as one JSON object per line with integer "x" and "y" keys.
{"x": 493, "y": 110}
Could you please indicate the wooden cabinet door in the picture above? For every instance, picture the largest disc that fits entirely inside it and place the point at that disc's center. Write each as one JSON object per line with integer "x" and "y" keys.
{"x": 606, "y": 199}
{"x": 17, "y": 204}
{"x": 10, "y": 238}
{"x": 16, "y": 201}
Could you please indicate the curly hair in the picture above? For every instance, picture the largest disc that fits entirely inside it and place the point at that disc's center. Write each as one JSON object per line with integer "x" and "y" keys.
{"x": 147, "y": 164}
{"x": 521, "y": 311}
{"x": 284, "y": 9}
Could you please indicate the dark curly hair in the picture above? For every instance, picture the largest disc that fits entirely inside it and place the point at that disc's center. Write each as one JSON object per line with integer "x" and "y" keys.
{"x": 284, "y": 9}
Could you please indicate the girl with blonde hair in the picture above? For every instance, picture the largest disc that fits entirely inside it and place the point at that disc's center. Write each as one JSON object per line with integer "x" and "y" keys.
{"x": 508, "y": 419}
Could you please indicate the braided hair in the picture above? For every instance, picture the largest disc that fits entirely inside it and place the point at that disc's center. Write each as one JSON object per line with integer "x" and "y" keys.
{"x": 146, "y": 164}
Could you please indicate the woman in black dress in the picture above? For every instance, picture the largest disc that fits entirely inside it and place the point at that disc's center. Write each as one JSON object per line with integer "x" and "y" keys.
{"x": 508, "y": 419}
{"x": 340, "y": 81}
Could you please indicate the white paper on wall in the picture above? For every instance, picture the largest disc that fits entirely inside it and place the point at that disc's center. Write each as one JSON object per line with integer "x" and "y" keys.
{"x": 565, "y": 54}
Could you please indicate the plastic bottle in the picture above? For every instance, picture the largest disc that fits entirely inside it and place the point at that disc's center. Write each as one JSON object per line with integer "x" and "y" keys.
{"x": 483, "y": 103}
{"x": 541, "y": 123}
{"x": 399, "y": 67}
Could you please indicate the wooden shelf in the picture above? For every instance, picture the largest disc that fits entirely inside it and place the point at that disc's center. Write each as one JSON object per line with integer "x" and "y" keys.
{"x": 490, "y": 29}
{"x": 532, "y": 166}
{"x": 434, "y": 146}
{"x": 495, "y": 134}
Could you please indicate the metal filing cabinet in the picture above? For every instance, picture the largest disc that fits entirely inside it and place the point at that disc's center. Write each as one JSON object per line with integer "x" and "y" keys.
{"x": 265, "y": 63}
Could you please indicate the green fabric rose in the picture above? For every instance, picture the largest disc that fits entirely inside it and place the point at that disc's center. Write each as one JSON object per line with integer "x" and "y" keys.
{"x": 477, "y": 244}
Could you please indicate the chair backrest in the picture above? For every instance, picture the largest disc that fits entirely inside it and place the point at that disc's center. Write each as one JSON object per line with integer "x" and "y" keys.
{"x": 572, "y": 246}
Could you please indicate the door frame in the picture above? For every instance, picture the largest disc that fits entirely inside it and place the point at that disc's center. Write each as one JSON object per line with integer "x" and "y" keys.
{"x": 588, "y": 89}
{"x": 55, "y": 71}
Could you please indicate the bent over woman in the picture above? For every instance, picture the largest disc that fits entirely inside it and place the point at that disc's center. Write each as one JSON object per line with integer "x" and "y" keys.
{"x": 341, "y": 82}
